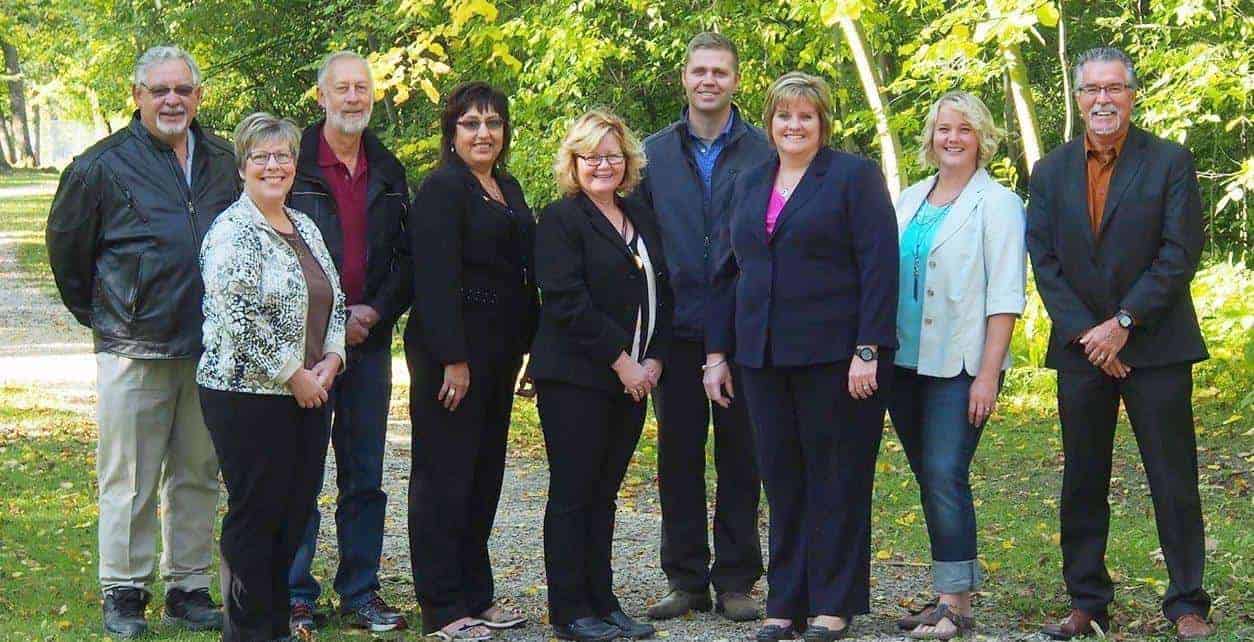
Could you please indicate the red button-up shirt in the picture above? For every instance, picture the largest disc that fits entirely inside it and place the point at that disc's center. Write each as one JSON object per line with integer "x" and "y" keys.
{"x": 349, "y": 192}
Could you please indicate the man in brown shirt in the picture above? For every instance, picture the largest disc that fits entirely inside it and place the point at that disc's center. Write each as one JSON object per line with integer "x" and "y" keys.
{"x": 1113, "y": 261}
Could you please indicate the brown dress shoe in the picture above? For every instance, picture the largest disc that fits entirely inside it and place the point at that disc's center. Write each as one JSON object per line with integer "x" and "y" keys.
{"x": 1192, "y": 626}
{"x": 1078, "y": 624}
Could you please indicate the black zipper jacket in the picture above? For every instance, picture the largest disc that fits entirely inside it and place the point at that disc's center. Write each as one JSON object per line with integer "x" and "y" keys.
{"x": 124, "y": 236}
{"x": 389, "y": 279}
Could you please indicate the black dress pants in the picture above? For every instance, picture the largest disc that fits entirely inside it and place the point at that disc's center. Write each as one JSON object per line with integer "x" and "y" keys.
{"x": 589, "y": 436}
{"x": 816, "y": 450}
{"x": 271, "y": 452}
{"x": 1159, "y": 403}
{"x": 457, "y": 466}
{"x": 683, "y": 413}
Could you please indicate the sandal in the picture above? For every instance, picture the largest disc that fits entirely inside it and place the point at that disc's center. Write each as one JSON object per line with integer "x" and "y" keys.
{"x": 498, "y": 617}
{"x": 917, "y": 617}
{"x": 467, "y": 629}
{"x": 963, "y": 624}
{"x": 776, "y": 633}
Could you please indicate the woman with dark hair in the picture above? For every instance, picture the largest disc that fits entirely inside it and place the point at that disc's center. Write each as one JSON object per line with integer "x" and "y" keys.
{"x": 474, "y": 314}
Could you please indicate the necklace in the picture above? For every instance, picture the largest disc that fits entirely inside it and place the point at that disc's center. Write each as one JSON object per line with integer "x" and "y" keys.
{"x": 927, "y": 222}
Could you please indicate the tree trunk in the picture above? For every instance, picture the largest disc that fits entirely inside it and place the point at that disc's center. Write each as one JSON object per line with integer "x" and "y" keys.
{"x": 98, "y": 119}
{"x": 1013, "y": 150}
{"x": 17, "y": 101}
{"x": 36, "y": 120}
{"x": 6, "y": 137}
{"x": 847, "y": 143}
{"x": 1025, "y": 107}
{"x": 890, "y": 149}
{"x": 1068, "y": 124}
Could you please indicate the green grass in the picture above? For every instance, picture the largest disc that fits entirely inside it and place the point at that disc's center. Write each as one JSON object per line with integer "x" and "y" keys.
{"x": 48, "y": 588}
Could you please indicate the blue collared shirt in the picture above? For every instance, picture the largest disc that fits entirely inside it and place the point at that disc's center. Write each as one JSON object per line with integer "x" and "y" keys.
{"x": 706, "y": 156}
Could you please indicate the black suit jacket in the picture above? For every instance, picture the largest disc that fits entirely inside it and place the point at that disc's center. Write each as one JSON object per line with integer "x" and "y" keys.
{"x": 389, "y": 287}
{"x": 475, "y": 296}
{"x": 591, "y": 289}
{"x": 1142, "y": 261}
{"x": 823, "y": 283}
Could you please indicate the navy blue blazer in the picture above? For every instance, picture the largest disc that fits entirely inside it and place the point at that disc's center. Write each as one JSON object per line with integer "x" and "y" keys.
{"x": 824, "y": 283}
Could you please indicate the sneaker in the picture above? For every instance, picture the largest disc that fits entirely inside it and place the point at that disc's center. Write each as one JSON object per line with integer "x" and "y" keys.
{"x": 300, "y": 619}
{"x": 124, "y": 612}
{"x": 192, "y": 610}
{"x": 374, "y": 615}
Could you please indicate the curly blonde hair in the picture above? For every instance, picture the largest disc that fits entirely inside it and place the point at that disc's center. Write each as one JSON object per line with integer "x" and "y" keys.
{"x": 975, "y": 113}
{"x": 582, "y": 139}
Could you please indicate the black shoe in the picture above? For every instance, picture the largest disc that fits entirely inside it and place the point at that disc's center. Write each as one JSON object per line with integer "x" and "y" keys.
{"x": 587, "y": 629}
{"x": 630, "y": 628}
{"x": 817, "y": 633}
{"x": 124, "y": 612}
{"x": 775, "y": 633}
{"x": 375, "y": 616}
{"x": 192, "y": 610}
{"x": 300, "y": 620}
{"x": 678, "y": 602}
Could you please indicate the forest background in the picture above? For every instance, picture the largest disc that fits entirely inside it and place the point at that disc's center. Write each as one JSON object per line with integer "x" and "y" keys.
{"x": 70, "y": 60}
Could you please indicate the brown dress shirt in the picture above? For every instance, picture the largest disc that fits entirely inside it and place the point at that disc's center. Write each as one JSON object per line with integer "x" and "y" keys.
{"x": 1101, "y": 166}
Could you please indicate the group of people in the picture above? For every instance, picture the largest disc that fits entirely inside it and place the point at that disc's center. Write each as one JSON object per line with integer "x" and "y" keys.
{"x": 243, "y": 296}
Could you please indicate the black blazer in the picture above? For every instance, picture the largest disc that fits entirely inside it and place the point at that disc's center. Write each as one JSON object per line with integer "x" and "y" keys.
{"x": 389, "y": 287}
{"x": 475, "y": 295}
{"x": 592, "y": 288}
{"x": 1142, "y": 261}
{"x": 824, "y": 283}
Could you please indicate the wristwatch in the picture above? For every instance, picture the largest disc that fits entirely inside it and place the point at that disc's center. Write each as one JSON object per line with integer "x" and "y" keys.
{"x": 1124, "y": 319}
{"x": 867, "y": 353}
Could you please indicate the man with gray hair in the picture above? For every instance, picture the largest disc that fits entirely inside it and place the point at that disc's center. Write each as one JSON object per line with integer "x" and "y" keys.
{"x": 123, "y": 239}
{"x": 1115, "y": 235}
{"x": 354, "y": 189}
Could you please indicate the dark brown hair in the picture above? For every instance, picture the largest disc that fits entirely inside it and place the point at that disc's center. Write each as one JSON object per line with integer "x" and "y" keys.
{"x": 464, "y": 97}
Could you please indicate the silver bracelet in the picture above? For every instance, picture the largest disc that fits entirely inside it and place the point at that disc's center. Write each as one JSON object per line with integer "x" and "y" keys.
{"x": 713, "y": 365}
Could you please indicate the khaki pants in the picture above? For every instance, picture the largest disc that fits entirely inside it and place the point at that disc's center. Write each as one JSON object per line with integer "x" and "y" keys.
{"x": 152, "y": 431}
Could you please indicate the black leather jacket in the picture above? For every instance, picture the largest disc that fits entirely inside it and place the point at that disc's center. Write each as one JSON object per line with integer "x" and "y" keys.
{"x": 124, "y": 237}
{"x": 389, "y": 275}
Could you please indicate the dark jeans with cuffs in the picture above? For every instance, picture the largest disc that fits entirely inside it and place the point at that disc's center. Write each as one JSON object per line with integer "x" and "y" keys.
{"x": 271, "y": 452}
{"x": 359, "y": 403}
{"x": 930, "y": 415}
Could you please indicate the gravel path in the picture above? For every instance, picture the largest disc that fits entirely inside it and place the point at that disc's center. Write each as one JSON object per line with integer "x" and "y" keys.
{"x": 41, "y": 344}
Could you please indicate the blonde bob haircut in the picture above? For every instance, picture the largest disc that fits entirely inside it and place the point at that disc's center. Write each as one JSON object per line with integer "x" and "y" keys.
{"x": 582, "y": 139}
{"x": 975, "y": 113}
{"x": 261, "y": 127}
{"x": 796, "y": 85}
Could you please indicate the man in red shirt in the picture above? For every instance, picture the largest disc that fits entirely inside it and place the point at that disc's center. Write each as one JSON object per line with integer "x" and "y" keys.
{"x": 355, "y": 190}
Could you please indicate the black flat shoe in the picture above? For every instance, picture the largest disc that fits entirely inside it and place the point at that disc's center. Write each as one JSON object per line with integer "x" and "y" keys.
{"x": 816, "y": 633}
{"x": 587, "y": 629}
{"x": 775, "y": 633}
{"x": 629, "y": 627}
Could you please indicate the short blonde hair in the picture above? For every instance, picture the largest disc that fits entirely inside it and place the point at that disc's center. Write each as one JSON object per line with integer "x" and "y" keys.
{"x": 975, "y": 113}
{"x": 799, "y": 85}
{"x": 260, "y": 127}
{"x": 583, "y": 137}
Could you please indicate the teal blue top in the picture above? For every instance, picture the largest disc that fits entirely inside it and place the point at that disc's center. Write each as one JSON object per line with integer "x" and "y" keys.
{"x": 915, "y": 244}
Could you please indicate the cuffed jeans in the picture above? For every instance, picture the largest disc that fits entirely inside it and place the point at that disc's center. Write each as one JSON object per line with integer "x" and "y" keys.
{"x": 152, "y": 435}
{"x": 930, "y": 415}
{"x": 359, "y": 402}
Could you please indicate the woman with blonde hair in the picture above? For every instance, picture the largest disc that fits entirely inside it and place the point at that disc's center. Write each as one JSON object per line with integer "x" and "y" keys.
{"x": 962, "y": 274}
{"x": 804, "y": 295}
{"x": 605, "y": 326}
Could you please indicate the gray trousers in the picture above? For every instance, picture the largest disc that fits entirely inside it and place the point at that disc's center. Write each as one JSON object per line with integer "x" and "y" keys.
{"x": 152, "y": 435}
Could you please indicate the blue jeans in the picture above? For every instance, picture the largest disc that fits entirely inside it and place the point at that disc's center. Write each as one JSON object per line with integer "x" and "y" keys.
{"x": 360, "y": 405}
{"x": 930, "y": 415}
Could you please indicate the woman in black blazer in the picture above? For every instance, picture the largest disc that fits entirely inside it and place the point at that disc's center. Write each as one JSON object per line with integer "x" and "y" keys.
{"x": 474, "y": 315}
{"x": 805, "y": 297}
{"x": 605, "y": 325}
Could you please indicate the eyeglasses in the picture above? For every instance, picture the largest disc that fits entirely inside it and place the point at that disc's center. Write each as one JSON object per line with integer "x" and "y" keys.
{"x": 595, "y": 161}
{"x": 161, "y": 91}
{"x": 261, "y": 159}
{"x": 473, "y": 124}
{"x": 1113, "y": 90}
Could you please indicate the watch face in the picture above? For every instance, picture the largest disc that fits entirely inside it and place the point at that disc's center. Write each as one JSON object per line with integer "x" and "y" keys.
{"x": 866, "y": 354}
{"x": 1124, "y": 320}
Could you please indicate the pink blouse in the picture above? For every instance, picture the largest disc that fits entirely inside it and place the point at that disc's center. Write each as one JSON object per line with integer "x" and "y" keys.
{"x": 773, "y": 208}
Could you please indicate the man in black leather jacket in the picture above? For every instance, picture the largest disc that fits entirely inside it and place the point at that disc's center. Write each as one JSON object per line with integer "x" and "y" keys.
{"x": 123, "y": 237}
{"x": 354, "y": 189}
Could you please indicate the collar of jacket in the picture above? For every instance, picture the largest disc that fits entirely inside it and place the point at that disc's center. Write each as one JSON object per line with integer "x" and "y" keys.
{"x": 378, "y": 158}
{"x": 738, "y": 127}
{"x": 258, "y": 219}
{"x": 138, "y": 130}
{"x": 964, "y": 206}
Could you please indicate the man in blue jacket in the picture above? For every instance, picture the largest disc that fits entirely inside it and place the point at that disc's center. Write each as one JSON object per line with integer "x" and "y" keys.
{"x": 693, "y": 163}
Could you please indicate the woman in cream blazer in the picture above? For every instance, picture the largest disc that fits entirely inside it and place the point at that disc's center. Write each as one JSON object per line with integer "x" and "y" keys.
{"x": 962, "y": 276}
